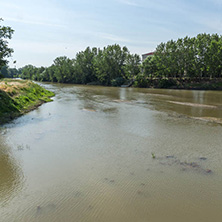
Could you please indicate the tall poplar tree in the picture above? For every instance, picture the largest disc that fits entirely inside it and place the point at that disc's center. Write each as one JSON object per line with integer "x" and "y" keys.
{"x": 5, "y": 52}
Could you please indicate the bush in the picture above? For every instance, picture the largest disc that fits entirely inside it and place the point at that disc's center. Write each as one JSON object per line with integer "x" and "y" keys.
{"x": 167, "y": 83}
{"x": 141, "y": 81}
{"x": 117, "y": 82}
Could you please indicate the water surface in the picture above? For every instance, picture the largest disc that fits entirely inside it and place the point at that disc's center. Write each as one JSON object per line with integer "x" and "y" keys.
{"x": 87, "y": 156}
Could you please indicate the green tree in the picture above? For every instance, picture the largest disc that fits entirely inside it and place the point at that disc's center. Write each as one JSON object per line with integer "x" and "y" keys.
{"x": 214, "y": 55}
{"x": 202, "y": 47}
{"x": 188, "y": 57}
{"x": 63, "y": 68}
{"x": 13, "y": 72}
{"x": 149, "y": 67}
{"x": 5, "y": 52}
{"x": 48, "y": 74}
{"x": 38, "y": 73}
{"x": 28, "y": 72}
{"x": 110, "y": 63}
{"x": 84, "y": 66}
{"x": 4, "y": 71}
{"x": 132, "y": 66}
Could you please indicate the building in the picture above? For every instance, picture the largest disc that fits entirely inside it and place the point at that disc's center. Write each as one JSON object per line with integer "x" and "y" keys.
{"x": 144, "y": 56}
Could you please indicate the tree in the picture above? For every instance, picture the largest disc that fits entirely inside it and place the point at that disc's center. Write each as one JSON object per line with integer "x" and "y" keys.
{"x": 110, "y": 63}
{"x": 4, "y": 71}
{"x": 29, "y": 72}
{"x": 5, "y": 52}
{"x": 63, "y": 68}
{"x": 84, "y": 65}
{"x": 214, "y": 55}
{"x": 13, "y": 73}
{"x": 188, "y": 57}
{"x": 132, "y": 67}
{"x": 149, "y": 67}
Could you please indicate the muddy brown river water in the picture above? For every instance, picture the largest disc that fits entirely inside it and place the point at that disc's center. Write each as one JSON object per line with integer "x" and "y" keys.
{"x": 88, "y": 156}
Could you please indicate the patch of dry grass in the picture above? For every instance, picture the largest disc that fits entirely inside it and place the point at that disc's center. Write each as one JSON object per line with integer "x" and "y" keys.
{"x": 13, "y": 87}
{"x": 20, "y": 96}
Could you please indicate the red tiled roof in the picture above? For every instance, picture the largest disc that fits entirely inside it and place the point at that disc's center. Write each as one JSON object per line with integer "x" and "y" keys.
{"x": 150, "y": 53}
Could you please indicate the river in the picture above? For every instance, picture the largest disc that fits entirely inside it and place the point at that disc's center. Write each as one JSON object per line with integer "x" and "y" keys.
{"x": 114, "y": 155}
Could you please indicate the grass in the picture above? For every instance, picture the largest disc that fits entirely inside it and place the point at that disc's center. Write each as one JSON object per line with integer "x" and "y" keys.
{"x": 20, "y": 96}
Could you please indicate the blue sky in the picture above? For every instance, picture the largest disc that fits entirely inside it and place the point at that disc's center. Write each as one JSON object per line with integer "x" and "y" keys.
{"x": 46, "y": 29}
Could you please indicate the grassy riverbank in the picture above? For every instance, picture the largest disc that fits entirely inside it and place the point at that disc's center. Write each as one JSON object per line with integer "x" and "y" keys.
{"x": 20, "y": 96}
{"x": 180, "y": 83}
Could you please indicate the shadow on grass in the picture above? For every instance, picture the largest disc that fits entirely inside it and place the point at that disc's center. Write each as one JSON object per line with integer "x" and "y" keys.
{"x": 8, "y": 108}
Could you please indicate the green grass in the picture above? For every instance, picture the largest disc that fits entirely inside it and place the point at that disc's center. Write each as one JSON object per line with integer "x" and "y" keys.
{"x": 18, "y": 97}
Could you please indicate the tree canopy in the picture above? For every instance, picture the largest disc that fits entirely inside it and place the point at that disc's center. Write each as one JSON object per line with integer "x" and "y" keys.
{"x": 112, "y": 65}
{"x": 199, "y": 57}
{"x": 5, "y": 52}
{"x": 187, "y": 58}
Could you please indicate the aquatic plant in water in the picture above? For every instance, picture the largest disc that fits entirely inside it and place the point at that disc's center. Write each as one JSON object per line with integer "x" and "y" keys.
{"x": 153, "y": 155}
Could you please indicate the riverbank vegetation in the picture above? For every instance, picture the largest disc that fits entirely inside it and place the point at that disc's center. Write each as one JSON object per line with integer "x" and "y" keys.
{"x": 187, "y": 63}
{"x": 112, "y": 65}
{"x": 20, "y": 96}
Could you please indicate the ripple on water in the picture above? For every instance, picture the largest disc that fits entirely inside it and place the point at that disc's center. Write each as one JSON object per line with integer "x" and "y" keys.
{"x": 91, "y": 166}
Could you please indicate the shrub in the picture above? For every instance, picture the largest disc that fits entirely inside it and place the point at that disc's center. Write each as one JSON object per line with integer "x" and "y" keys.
{"x": 117, "y": 82}
{"x": 166, "y": 83}
{"x": 141, "y": 81}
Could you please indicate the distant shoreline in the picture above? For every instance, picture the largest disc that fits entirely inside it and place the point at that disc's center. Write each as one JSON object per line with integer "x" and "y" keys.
{"x": 184, "y": 84}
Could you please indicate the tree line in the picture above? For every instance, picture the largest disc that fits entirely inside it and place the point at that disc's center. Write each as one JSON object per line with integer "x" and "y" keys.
{"x": 198, "y": 57}
{"x": 112, "y": 65}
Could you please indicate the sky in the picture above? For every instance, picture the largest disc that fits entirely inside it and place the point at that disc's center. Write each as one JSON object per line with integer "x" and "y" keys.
{"x": 46, "y": 29}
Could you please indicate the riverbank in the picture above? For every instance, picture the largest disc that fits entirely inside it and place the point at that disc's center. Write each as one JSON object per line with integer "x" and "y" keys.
{"x": 20, "y": 96}
{"x": 180, "y": 83}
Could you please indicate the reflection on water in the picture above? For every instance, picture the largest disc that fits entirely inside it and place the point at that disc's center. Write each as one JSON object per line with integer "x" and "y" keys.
{"x": 10, "y": 175}
{"x": 86, "y": 157}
